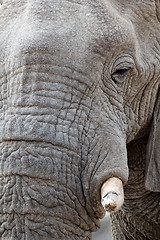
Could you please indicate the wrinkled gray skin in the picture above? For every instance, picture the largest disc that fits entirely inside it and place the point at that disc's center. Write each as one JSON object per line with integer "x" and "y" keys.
{"x": 79, "y": 81}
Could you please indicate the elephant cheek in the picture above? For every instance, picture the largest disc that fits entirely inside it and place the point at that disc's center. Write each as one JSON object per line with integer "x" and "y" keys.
{"x": 107, "y": 160}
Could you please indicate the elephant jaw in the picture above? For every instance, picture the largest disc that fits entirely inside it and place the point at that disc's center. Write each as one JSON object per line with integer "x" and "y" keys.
{"x": 112, "y": 195}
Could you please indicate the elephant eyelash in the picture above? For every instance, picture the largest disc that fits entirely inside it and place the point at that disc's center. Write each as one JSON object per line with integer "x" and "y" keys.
{"x": 121, "y": 71}
{"x": 120, "y": 75}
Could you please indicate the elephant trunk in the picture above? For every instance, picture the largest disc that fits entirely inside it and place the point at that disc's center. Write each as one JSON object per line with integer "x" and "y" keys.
{"x": 41, "y": 193}
{"x": 56, "y": 152}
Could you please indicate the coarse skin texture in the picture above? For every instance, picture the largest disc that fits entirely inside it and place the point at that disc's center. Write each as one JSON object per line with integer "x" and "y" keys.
{"x": 140, "y": 216}
{"x": 79, "y": 82}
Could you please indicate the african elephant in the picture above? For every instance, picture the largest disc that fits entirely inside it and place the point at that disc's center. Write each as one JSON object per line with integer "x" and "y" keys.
{"x": 79, "y": 83}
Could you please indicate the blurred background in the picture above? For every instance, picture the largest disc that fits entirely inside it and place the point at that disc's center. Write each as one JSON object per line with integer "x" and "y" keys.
{"x": 104, "y": 232}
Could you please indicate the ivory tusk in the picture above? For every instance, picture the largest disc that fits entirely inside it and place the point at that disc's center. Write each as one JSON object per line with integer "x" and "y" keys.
{"x": 112, "y": 195}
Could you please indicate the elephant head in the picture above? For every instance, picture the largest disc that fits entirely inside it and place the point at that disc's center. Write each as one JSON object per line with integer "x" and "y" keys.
{"x": 79, "y": 81}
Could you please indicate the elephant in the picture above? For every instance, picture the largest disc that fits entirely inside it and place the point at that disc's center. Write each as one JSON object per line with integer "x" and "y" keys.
{"x": 79, "y": 105}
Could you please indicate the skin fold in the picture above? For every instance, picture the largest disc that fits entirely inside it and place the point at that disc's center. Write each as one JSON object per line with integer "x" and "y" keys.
{"x": 79, "y": 105}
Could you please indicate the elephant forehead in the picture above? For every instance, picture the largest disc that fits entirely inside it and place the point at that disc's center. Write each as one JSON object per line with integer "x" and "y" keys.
{"x": 60, "y": 25}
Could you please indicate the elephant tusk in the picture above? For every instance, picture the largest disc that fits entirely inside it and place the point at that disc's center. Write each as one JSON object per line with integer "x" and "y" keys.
{"x": 112, "y": 195}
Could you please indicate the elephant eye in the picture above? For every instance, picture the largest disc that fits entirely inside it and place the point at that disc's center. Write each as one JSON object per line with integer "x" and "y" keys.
{"x": 120, "y": 75}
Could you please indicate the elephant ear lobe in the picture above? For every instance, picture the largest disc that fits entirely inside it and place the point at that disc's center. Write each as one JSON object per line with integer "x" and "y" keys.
{"x": 152, "y": 177}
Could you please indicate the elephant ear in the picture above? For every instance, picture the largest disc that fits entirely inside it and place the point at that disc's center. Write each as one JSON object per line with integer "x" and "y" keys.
{"x": 152, "y": 177}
